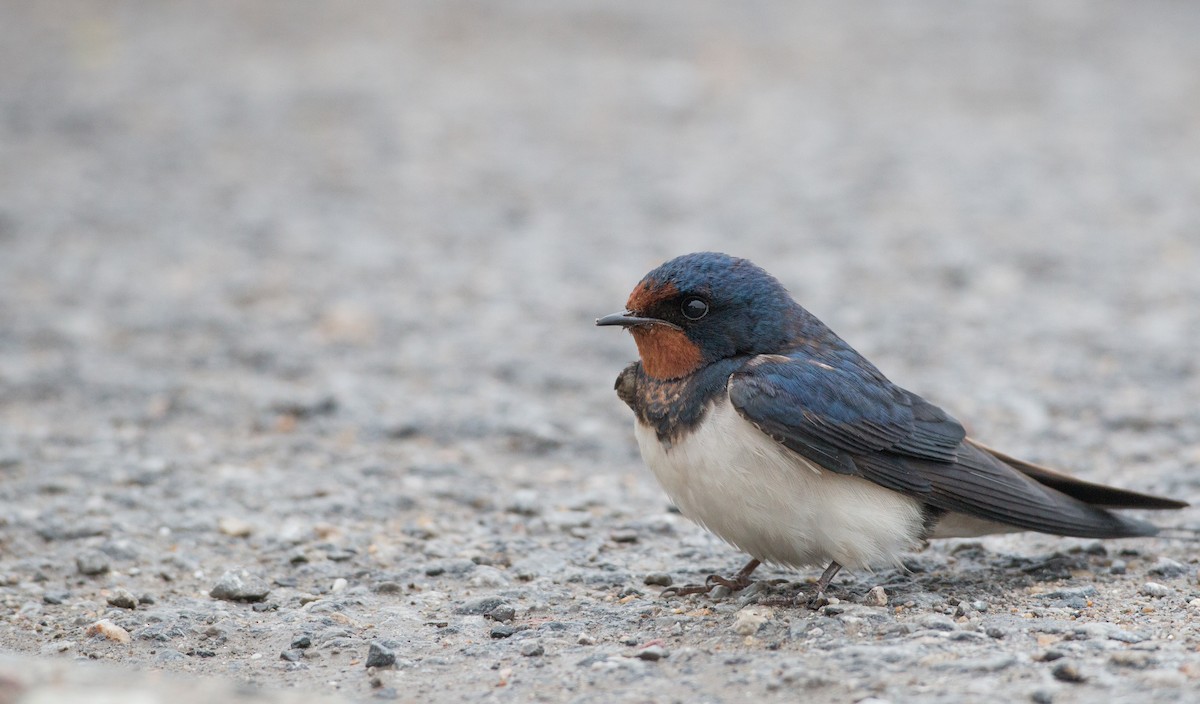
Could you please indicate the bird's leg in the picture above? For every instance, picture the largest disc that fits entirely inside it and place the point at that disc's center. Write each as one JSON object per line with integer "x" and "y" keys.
{"x": 740, "y": 581}
{"x": 826, "y": 577}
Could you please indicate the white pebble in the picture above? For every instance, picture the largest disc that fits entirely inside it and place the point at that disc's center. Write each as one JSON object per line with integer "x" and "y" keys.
{"x": 1155, "y": 590}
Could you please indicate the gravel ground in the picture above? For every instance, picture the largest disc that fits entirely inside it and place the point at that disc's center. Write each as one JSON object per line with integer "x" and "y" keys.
{"x": 299, "y": 388}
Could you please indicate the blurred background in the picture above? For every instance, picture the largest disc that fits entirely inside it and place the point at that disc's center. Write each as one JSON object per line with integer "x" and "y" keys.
{"x": 421, "y": 206}
{"x": 331, "y": 269}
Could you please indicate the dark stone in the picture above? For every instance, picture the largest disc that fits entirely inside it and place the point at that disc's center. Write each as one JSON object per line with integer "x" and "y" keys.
{"x": 480, "y": 606}
{"x": 502, "y": 630}
{"x": 380, "y": 655}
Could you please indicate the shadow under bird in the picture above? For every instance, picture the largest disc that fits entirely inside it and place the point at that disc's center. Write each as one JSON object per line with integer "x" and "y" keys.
{"x": 767, "y": 429}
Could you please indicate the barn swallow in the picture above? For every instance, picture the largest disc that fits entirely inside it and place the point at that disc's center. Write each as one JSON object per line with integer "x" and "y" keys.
{"x": 770, "y": 431}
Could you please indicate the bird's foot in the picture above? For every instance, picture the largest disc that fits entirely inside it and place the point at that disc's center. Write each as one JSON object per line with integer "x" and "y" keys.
{"x": 816, "y": 601}
{"x": 738, "y": 582}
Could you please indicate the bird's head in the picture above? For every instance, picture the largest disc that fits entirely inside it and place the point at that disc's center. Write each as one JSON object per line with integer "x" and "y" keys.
{"x": 700, "y": 308}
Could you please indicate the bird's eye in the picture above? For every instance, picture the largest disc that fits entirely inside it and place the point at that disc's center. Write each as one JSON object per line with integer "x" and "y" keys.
{"x": 694, "y": 308}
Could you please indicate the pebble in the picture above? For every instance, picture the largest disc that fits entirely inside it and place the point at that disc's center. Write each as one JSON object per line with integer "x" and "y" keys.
{"x": 750, "y": 619}
{"x": 661, "y": 579}
{"x": 1070, "y": 593}
{"x": 1154, "y": 589}
{"x": 624, "y": 536}
{"x": 532, "y": 649}
{"x": 488, "y": 576}
{"x": 109, "y": 630}
{"x": 235, "y": 527}
{"x": 1135, "y": 659}
{"x": 1118, "y": 567}
{"x": 937, "y": 622}
{"x": 524, "y": 502}
{"x": 122, "y": 599}
{"x": 338, "y": 585}
{"x": 502, "y": 630}
{"x": 92, "y": 562}
{"x": 1166, "y": 567}
{"x": 877, "y": 596}
{"x": 1066, "y": 671}
{"x": 56, "y": 647}
{"x": 652, "y": 653}
{"x": 291, "y": 655}
{"x": 480, "y": 606}
{"x": 302, "y": 642}
{"x": 240, "y": 585}
{"x": 502, "y": 613}
{"x": 380, "y": 655}
{"x": 55, "y": 596}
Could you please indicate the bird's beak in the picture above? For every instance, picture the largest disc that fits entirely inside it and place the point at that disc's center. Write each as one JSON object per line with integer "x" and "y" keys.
{"x": 627, "y": 320}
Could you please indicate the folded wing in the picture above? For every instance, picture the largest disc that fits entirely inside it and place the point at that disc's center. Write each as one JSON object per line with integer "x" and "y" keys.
{"x": 848, "y": 418}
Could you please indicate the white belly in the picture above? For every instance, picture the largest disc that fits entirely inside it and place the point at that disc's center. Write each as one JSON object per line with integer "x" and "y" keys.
{"x": 773, "y": 504}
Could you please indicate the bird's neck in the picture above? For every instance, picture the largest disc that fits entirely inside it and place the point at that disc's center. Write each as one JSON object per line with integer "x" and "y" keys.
{"x": 674, "y": 407}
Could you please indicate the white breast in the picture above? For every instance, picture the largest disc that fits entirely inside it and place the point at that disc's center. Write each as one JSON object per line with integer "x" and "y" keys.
{"x": 773, "y": 504}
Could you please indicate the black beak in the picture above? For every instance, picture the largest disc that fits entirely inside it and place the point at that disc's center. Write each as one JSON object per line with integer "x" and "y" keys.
{"x": 627, "y": 320}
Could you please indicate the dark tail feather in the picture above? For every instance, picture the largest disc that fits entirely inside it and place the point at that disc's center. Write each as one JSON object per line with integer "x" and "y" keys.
{"x": 1087, "y": 492}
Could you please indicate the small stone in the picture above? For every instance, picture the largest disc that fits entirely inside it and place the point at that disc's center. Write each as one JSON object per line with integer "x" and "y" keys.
{"x": 937, "y": 622}
{"x": 980, "y": 606}
{"x": 338, "y": 585}
{"x": 502, "y": 613}
{"x": 1166, "y": 567}
{"x": 502, "y": 630}
{"x": 652, "y": 653}
{"x": 532, "y": 649}
{"x": 302, "y": 642}
{"x": 235, "y": 527}
{"x": 524, "y": 502}
{"x": 995, "y": 632}
{"x": 55, "y": 597}
{"x": 122, "y": 599}
{"x": 585, "y": 639}
{"x": 1118, "y": 567}
{"x": 109, "y": 630}
{"x": 92, "y": 562}
{"x": 877, "y": 596}
{"x": 661, "y": 579}
{"x": 291, "y": 655}
{"x": 750, "y": 619}
{"x": 240, "y": 585}
{"x": 56, "y": 647}
{"x": 480, "y": 606}
{"x": 1070, "y": 593}
{"x": 1155, "y": 590}
{"x": 486, "y": 576}
{"x": 1042, "y": 696}
{"x": 388, "y": 588}
{"x": 1066, "y": 671}
{"x": 379, "y": 655}
{"x": 1135, "y": 659}
{"x": 624, "y": 536}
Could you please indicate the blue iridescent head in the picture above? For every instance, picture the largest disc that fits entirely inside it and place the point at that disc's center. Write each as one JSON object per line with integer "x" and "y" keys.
{"x": 703, "y": 307}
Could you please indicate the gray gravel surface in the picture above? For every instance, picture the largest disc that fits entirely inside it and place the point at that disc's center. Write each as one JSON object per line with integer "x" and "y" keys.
{"x": 299, "y": 387}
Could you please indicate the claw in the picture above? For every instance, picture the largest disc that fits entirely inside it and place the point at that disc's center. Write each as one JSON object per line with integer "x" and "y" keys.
{"x": 740, "y": 581}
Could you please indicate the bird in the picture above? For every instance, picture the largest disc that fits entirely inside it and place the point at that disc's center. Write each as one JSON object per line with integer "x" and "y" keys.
{"x": 768, "y": 430}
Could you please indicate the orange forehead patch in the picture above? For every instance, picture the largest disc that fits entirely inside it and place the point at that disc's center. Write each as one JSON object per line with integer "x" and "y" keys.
{"x": 647, "y": 294}
{"x": 666, "y": 353}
